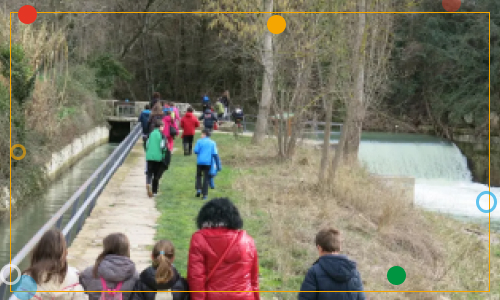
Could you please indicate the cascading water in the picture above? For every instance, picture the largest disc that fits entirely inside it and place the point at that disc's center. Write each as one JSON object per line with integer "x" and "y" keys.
{"x": 443, "y": 180}
{"x": 419, "y": 160}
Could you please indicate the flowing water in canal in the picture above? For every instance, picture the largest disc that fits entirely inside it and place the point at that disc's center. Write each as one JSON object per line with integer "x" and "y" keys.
{"x": 32, "y": 217}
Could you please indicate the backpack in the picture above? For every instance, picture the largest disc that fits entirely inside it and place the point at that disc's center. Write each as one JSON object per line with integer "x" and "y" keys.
{"x": 219, "y": 107}
{"x": 173, "y": 131}
{"x": 112, "y": 294}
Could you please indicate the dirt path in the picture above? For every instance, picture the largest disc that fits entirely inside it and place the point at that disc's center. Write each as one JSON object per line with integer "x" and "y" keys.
{"x": 124, "y": 207}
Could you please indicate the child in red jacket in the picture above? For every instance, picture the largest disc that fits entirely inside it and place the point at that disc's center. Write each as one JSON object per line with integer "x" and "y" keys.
{"x": 189, "y": 123}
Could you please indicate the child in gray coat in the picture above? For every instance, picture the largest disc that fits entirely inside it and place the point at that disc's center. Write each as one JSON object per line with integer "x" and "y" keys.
{"x": 113, "y": 270}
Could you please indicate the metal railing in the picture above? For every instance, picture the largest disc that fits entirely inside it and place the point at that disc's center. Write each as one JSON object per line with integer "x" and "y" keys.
{"x": 125, "y": 110}
{"x": 87, "y": 195}
{"x": 310, "y": 128}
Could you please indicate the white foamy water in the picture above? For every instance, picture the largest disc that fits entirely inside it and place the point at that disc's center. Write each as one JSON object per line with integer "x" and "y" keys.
{"x": 443, "y": 180}
{"x": 455, "y": 197}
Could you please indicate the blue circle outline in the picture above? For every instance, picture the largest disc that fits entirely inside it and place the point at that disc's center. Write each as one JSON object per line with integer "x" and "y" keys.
{"x": 494, "y": 201}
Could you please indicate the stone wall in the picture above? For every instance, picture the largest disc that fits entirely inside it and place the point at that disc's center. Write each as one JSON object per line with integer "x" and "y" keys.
{"x": 73, "y": 152}
{"x": 476, "y": 150}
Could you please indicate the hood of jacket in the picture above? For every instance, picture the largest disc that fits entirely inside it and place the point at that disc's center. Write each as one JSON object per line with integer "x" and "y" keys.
{"x": 188, "y": 114}
{"x": 68, "y": 285}
{"x": 337, "y": 267}
{"x": 116, "y": 268}
{"x": 208, "y": 111}
{"x": 148, "y": 277}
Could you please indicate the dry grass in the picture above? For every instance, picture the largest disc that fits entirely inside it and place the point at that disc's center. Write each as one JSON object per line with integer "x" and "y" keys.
{"x": 380, "y": 229}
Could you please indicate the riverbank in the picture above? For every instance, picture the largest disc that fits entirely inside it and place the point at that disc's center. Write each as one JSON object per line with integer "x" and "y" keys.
{"x": 283, "y": 209}
{"x": 59, "y": 162}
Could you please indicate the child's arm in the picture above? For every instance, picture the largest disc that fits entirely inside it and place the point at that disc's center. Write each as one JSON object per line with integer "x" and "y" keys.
{"x": 255, "y": 273}
{"x": 215, "y": 156}
{"x": 197, "y": 148}
{"x": 217, "y": 162}
{"x": 356, "y": 284}
{"x": 139, "y": 291}
{"x": 309, "y": 284}
{"x": 196, "y": 274}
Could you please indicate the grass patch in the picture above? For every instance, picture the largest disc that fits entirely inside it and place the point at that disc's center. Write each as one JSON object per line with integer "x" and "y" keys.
{"x": 178, "y": 204}
{"x": 283, "y": 208}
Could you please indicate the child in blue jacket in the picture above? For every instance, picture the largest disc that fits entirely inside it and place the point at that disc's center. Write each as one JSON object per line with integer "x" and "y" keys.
{"x": 206, "y": 151}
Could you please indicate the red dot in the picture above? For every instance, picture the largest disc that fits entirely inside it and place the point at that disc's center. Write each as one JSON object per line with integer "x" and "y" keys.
{"x": 451, "y": 5}
{"x": 27, "y": 14}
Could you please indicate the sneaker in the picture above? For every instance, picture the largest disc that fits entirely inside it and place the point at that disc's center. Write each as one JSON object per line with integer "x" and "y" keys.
{"x": 154, "y": 195}
{"x": 198, "y": 194}
{"x": 204, "y": 198}
{"x": 150, "y": 191}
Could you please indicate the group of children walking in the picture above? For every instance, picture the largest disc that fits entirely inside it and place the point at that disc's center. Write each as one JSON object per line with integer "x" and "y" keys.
{"x": 114, "y": 272}
{"x": 159, "y": 129}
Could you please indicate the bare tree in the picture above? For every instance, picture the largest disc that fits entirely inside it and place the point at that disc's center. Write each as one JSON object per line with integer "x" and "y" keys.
{"x": 267, "y": 82}
{"x": 363, "y": 80}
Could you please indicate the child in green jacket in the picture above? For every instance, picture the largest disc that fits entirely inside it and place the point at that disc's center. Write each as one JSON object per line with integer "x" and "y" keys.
{"x": 157, "y": 157}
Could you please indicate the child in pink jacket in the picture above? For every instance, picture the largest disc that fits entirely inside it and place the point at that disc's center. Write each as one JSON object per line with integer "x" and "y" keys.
{"x": 168, "y": 121}
{"x": 177, "y": 117}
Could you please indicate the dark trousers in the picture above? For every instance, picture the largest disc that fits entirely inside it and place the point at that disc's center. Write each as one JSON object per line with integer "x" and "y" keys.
{"x": 204, "y": 171}
{"x": 187, "y": 142}
{"x": 154, "y": 173}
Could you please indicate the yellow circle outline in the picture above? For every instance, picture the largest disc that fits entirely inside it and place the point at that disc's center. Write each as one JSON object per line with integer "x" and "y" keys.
{"x": 12, "y": 152}
{"x": 276, "y": 24}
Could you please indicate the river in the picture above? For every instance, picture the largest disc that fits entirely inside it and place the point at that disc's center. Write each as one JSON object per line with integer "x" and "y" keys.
{"x": 33, "y": 216}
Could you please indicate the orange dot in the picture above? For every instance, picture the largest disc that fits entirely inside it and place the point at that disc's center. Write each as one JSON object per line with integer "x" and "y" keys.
{"x": 276, "y": 24}
{"x": 451, "y": 5}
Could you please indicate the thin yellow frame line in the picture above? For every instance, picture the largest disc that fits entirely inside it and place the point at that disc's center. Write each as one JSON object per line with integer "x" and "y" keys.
{"x": 489, "y": 137}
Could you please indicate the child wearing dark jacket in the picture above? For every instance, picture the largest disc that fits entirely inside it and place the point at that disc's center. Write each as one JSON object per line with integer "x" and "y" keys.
{"x": 144, "y": 120}
{"x": 331, "y": 272}
{"x": 161, "y": 276}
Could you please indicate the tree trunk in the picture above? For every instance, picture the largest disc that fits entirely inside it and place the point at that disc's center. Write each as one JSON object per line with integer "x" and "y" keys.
{"x": 326, "y": 141}
{"x": 266, "y": 97}
{"x": 338, "y": 154}
{"x": 355, "y": 107}
{"x": 354, "y": 119}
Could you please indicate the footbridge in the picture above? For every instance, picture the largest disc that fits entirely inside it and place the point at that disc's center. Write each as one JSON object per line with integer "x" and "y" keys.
{"x": 122, "y": 116}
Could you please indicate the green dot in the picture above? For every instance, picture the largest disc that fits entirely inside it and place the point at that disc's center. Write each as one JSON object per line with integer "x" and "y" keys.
{"x": 396, "y": 275}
